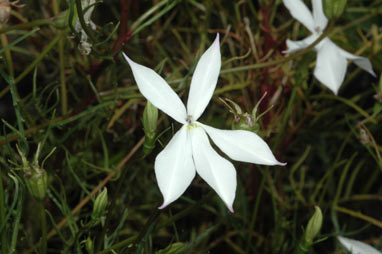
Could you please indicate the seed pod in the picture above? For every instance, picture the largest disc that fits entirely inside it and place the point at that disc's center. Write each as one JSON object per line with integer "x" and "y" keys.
{"x": 36, "y": 178}
{"x": 334, "y": 8}
{"x": 36, "y": 181}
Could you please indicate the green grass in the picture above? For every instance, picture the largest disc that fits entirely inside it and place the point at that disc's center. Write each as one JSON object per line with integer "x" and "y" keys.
{"x": 88, "y": 108}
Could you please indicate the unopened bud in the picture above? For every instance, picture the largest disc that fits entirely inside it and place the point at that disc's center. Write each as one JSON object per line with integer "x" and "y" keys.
{"x": 314, "y": 226}
{"x": 150, "y": 121}
{"x": 334, "y": 8}
{"x": 100, "y": 204}
{"x": 89, "y": 245}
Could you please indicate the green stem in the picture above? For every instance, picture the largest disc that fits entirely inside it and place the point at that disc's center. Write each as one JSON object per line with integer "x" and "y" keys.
{"x": 8, "y": 56}
{"x": 34, "y": 23}
{"x": 2, "y": 218}
{"x": 43, "y": 228}
{"x": 255, "y": 211}
{"x": 285, "y": 119}
{"x": 64, "y": 98}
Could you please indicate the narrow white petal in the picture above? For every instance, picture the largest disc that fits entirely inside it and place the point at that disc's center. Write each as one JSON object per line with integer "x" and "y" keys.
{"x": 174, "y": 167}
{"x": 330, "y": 66}
{"x": 204, "y": 80}
{"x": 243, "y": 146}
{"x": 361, "y": 62}
{"x": 155, "y": 89}
{"x": 357, "y": 247}
{"x": 218, "y": 172}
{"x": 319, "y": 17}
{"x": 299, "y": 11}
{"x": 294, "y": 46}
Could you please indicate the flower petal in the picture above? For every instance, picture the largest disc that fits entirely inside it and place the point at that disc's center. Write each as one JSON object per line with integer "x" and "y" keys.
{"x": 294, "y": 46}
{"x": 204, "y": 80}
{"x": 218, "y": 172}
{"x": 155, "y": 89}
{"x": 357, "y": 247}
{"x": 174, "y": 167}
{"x": 330, "y": 66}
{"x": 319, "y": 17}
{"x": 243, "y": 146}
{"x": 299, "y": 11}
{"x": 361, "y": 62}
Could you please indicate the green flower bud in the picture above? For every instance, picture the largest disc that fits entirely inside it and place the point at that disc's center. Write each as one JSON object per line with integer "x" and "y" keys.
{"x": 100, "y": 204}
{"x": 150, "y": 120}
{"x": 314, "y": 226}
{"x": 89, "y": 245}
{"x": 334, "y": 8}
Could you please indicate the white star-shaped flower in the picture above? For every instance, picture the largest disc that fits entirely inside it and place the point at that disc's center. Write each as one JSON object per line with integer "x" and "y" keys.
{"x": 357, "y": 247}
{"x": 190, "y": 151}
{"x": 331, "y": 60}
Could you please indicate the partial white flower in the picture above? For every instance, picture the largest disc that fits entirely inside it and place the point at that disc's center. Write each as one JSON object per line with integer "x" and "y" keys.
{"x": 357, "y": 247}
{"x": 331, "y": 60}
{"x": 88, "y": 7}
{"x": 190, "y": 151}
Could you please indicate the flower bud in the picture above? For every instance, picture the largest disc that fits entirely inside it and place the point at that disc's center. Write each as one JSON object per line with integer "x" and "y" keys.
{"x": 150, "y": 119}
{"x": 334, "y": 8}
{"x": 89, "y": 245}
{"x": 314, "y": 226}
{"x": 100, "y": 204}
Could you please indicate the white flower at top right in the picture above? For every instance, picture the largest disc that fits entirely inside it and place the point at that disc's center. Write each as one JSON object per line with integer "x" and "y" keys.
{"x": 331, "y": 60}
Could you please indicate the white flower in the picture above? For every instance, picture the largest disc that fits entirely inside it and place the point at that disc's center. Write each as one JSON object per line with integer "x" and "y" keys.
{"x": 189, "y": 151}
{"x": 331, "y": 60}
{"x": 357, "y": 247}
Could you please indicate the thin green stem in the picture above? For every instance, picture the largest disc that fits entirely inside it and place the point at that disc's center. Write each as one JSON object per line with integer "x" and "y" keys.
{"x": 44, "y": 231}
{"x": 342, "y": 179}
{"x": 359, "y": 215}
{"x": 8, "y": 56}
{"x": 285, "y": 119}
{"x": 255, "y": 211}
{"x": 64, "y": 98}
{"x": 16, "y": 105}
{"x": 38, "y": 22}
{"x": 4, "y": 241}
